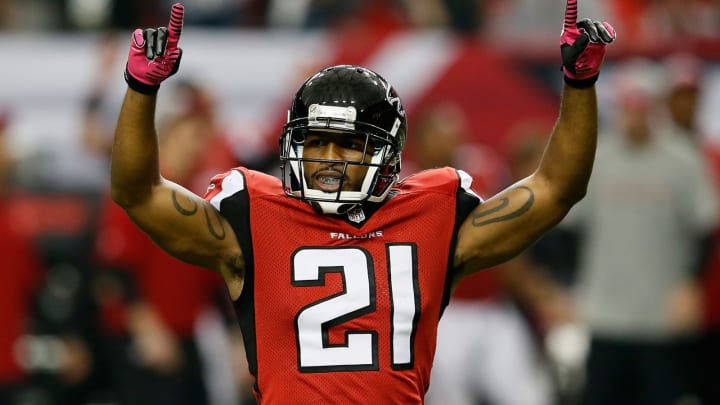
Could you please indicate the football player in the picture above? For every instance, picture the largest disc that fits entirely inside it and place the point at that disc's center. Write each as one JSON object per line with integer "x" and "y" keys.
{"x": 338, "y": 270}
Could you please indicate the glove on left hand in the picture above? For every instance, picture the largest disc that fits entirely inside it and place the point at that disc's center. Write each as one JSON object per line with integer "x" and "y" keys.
{"x": 582, "y": 47}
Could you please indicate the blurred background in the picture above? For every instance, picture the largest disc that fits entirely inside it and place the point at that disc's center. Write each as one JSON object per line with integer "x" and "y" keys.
{"x": 93, "y": 313}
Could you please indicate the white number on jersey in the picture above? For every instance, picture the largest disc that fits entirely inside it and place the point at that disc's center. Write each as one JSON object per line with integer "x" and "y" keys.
{"x": 360, "y": 349}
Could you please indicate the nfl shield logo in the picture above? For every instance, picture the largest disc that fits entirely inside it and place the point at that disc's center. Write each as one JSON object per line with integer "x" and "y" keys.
{"x": 356, "y": 215}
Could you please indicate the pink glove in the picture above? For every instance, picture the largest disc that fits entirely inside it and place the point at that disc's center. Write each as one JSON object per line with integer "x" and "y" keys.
{"x": 582, "y": 47}
{"x": 154, "y": 54}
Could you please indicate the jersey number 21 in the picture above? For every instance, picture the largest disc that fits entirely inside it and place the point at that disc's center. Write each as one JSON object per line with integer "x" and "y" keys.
{"x": 360, "y": 349}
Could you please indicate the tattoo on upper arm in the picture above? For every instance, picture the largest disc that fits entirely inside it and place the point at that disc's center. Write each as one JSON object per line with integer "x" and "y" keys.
{"x": 188, "y": 212}
{"x": 184, "y": 211}
{"x": 497, "y": 213}
{"x": 218, "y": 235}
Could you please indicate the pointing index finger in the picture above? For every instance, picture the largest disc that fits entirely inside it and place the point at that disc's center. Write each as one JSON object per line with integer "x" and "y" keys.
{"x": 571, "y": 13}
{"x": 176, "y": 24}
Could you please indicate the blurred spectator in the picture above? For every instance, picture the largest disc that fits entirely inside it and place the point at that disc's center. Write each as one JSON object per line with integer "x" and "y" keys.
{"x": 80, "y": 160}
{"x": 649, "y": 205}
{"x": 443, "y": 138}
{"x": 684, "y": 73}
{"x": 167, "y": 343}
{"x": 684, "y": 88}
{"x": 486, "y": 350}
{"x": 44, "y": 354}
{"x": 659, "y": 20}
{"x": 20, "y": 279}
{"x": 210, "y": 149}
{"x": 645, "y": 21}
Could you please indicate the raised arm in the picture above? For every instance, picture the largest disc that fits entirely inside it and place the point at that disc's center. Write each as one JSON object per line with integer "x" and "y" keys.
{"x": 510, "y": 221}
{"x": 180, "y": 222}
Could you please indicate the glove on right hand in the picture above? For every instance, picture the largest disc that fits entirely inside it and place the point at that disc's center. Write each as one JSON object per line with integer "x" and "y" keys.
{"x": 582, "y": 47}
{"x": 154, "y": 54}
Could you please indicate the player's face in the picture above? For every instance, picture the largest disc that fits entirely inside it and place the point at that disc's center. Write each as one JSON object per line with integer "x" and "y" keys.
{"x": 327, "y": 176}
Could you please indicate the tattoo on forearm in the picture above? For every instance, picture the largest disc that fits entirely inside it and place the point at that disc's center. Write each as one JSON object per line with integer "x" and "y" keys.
{"x": 184, "y": 211}
{"x": 498, "y": 214}
{"x": 188, "y": 212}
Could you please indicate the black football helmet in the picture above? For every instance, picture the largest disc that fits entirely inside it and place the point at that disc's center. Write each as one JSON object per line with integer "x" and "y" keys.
{"x": 350, "y": 100}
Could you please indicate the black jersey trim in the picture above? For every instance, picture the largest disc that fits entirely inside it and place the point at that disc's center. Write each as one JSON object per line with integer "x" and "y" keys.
{"x": 465, "y": 202}
{"x": 237, "y": 209}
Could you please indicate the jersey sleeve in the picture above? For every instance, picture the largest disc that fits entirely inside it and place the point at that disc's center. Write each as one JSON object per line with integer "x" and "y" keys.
{"x": 225, "y": 185}
{"x": 466, "y": 191}
{"x": 228, "y": 193}
{"x": 448, "y": 181}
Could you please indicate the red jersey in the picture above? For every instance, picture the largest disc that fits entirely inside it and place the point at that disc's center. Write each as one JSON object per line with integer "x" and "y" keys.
{"x": 343, "y": 308}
